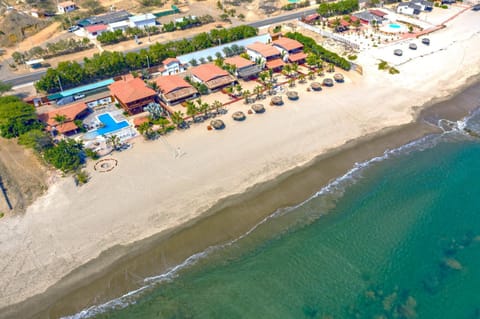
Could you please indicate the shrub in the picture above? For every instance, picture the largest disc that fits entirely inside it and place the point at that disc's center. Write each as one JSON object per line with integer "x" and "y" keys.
{"x": 16, "y": 117}
{"x": 36, "y": 139}
{"x": 392, "y": 70}
{"x": 352, "y": 57}
{"x": 383, "y": 65}
{"x": 81, "y": 177}
{"x": 66, "y": 155}
{"x": 92, "y": 154}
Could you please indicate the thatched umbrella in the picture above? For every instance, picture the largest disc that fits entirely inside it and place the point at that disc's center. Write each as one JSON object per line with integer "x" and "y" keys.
{"x": 258, "y": 108}
{"x": 412, "y": 46}
{"x": 338, "y": 77}
{"x": 277, "y": 100}
{"x": 292, "y": 95}
{"x": 217, "y": 124}
{"x": 328, "y": 82}
{"x": 316, "y": 86}
{"x": 238, "y": 116}
{"x": 426, "y": 41}
{"x": 398, "y": 52}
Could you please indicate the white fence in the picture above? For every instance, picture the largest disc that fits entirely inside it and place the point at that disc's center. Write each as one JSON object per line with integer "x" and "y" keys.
{"x": 330, "y": 35}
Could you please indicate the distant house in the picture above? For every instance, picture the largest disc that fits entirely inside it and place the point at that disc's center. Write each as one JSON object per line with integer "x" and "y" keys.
{"x": 66, "y": 6}
{"x": 244, "y": 68}
{"x": 414, "y": 7}
{"x": 266, "y": 54}
{"x": 132, "y": 94}
{"x": 107, "y": 18}
{"x": 212, "y": 76}
{"x": 143, "y": 20}
{"x": 290, "y": 49}
{"x": 174, "y": 89}
{"x": 36, "y": 13}
{"x": 120, "y": 25}
{"x": 368, "y": 18}
{"x": 94, "y": 30}
{"x": 378, "y": 13}
{"x": 70, "y": 113}
{"x": 171, "y": 66}
{"x": 312, "y": 18}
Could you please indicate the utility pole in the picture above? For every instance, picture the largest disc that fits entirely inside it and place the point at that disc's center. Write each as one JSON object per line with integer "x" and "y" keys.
{"x": 60, "y": 83}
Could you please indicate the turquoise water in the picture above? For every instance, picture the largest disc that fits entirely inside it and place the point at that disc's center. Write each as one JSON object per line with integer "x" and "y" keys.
{"x": 109, "y": 126}
{"x": 398, "y": 237}
{"x": 394, "y": 26}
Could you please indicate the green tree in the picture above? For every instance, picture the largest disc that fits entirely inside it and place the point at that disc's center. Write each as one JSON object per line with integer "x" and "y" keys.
{"x": 4, "y": 87}
{"x": 177, "y": 118}
{"x": 65, "y": 156}
{"x": 113, "y": 141}
{"x": 16, "y": 117}
{"x": 191, "y": 109}
{"x": 36, "y": 139}
{"x": 217, "y": 105}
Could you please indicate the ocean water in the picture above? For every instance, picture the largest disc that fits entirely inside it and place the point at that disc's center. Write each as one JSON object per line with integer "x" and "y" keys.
{"x": 396, "y": 237}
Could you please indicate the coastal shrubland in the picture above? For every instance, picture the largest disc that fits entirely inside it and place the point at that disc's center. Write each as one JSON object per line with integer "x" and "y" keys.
{"x": 16, "y": 117}
{"x": 66, "y": 155}
{"x": 108, "y": 64}
{"x": 384, "y": 66}
{"x": 328, "y": 9}
{"x": 311, "y": 46}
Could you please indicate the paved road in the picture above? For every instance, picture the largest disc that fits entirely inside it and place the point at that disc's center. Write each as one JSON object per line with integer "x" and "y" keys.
{"x": 35, "y": 76}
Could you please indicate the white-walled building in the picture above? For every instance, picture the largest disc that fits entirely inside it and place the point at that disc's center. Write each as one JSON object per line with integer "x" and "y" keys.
{"x": 142, "y": 21}
{"x": 94, "y": 30}
{"x": 120, "y": 25}
{"x": 66, "y": 6}
{"x": 171, "y": 66}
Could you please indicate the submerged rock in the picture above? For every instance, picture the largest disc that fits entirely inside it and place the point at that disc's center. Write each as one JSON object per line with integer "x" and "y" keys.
{"x": 452, "y": 264}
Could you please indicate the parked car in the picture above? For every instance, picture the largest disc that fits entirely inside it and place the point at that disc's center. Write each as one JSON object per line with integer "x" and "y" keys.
{"x": 78, "y": 96}
{"x": 476, "y": 7}
{"x": 73, "y": 28}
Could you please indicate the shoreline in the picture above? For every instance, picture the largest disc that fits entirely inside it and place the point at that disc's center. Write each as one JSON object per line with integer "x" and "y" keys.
{"x": 68, "y": 231}
{"x": 287, "y": 189}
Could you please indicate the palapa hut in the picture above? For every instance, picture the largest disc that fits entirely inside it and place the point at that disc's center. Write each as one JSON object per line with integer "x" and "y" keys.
{"x": 238, "y": 116}
{"x": 338, "y": 77}
{"x": 398, "y": 52}
{"x": 277, "y": 100}
{"x": 258, "y": 108}
{"x": 292, "y": 95}
{"x": 217, "y": 124}
{"x": 412, "y": 46}
{"x": 328, "y": 82}
{"x": 316, "y": 86}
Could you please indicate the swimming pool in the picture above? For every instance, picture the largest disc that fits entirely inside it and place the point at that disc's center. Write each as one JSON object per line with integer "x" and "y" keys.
{"x": 393, "y": 28}
{"x": 293, "y": 1}
{"x": 109, "y": 126}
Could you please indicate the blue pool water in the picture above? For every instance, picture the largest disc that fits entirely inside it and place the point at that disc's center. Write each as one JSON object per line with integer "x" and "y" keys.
{"x": 394, "y": 26}
{"x": 110, "y": 125}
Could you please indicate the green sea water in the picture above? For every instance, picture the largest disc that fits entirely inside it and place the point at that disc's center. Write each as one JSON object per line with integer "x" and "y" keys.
{"x": 399, "y": 238}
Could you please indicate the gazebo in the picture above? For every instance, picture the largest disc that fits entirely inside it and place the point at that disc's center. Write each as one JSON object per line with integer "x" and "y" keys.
{"x": 292, "y": 95}
{"x": 277, "y": 100}
{"x": 328, "y": 82}
{"x": 338, "y": 77}
{"x": 258, "y": 108}
{"x": 217, "y": 124}
{"x": 238, "y": 116}
{"x": 316, "y": 86}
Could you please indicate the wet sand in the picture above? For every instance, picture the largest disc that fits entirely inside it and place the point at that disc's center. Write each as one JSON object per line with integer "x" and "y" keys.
{"x": 122, "y": 267}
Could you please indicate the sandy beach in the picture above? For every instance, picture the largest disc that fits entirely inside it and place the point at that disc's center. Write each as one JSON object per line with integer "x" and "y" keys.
{"x": 152, "y": 189}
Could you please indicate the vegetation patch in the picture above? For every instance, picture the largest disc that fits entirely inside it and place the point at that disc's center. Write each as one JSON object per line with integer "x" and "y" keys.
{"x": 383, "y": 65}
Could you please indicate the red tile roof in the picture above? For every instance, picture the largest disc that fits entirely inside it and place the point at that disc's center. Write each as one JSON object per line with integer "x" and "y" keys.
{"x": 275, "y": 64}
{"x": 295, "y": 57}
{"x": 140, "y": 120}
{"x": 238, "y": 61}
{"x": 130, "y": 90}
{"x": 378, "y": 13}
{"x": 312, "y": 17}
{"x": 170, "y": 83}
{"x": 263, "y": 49}
{"x": 208, "y": 72}
{"x": 170, "y": 60}
{"x": 95, "y": 28}
{"x": 288, "y": 44}
{"x": 70, "y": 112}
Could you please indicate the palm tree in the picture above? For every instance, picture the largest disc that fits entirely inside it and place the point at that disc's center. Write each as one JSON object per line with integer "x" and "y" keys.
{"x": 177, "y": 118}
{"x": 163, "y": 122}
{"x": 258, "y": 91}
{"x": 356, "y": 24}
{"x": 246, "y": 95}
{"x": 191, "y": 109}
{"x": 239, "y": 89}
{"x": 145, "y": 129}
{"x": 153, "y": 85}
{"x": 217, "y": 105}
{"x": 204, "y": 108}
{"x": 287, "y": 69}
{"x": 114, "y": 141}
{"x": 336, "y": 24}
{"x": 269, "y": 86}
{"x": 229, "y": 89}
{"x": 301, "y": 78}
{"x": 291, "y": 82}
{"x": 60, "y": 118}
{"x": 311, "y": 75}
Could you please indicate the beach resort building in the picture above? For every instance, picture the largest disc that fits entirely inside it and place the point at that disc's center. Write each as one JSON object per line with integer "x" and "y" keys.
{"x": 174, "y": 89}
{"x": 95, "y": 30}
{"x": 212, "y": 76}
{"x": 244, "y": 68}
{"x": 107, "y": 18}
{"x": 291, "y": 50}
{"x": 66, "y": 6}
{"x": 143, "y": 20}
{"x": 414, "y": 7}
{"x": 366, "y": 17}
{"x": 62, "y": 120}
{"x": 132, "y": 94}
{"x": 171, "y": 66}
{"x": 266, "y": 55}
